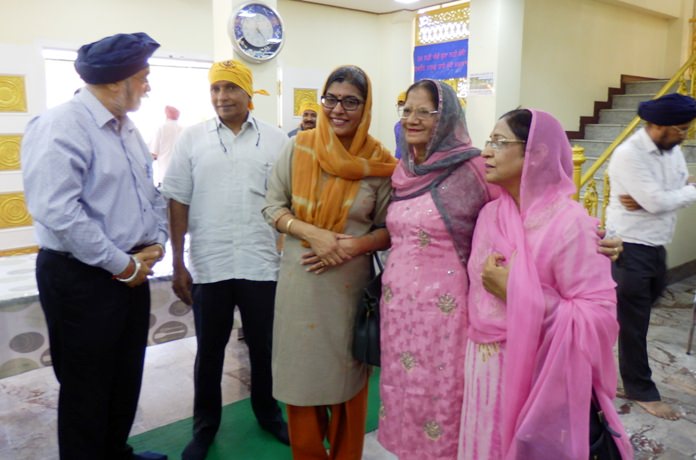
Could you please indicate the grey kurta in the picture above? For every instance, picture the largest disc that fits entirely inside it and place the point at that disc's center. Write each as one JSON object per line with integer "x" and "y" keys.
{"x": 314, "y": 314}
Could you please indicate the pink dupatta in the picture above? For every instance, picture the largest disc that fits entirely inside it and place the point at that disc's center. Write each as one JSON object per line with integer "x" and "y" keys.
{"x": 560, "y": 332}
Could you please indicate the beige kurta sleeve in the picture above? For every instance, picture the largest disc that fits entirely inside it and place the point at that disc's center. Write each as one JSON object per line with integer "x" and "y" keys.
{"x": 279, "y": 193}
{"x": 384, "y": 193}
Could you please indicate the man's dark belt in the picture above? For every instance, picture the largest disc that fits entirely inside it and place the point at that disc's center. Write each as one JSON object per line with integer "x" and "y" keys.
{"x": 58, "y": 253}
{"x": 70, "y": 256}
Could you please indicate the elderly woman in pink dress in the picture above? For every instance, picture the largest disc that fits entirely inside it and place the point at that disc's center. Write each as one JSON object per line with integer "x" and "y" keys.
{"x": 439, "y": 189}
{"x": 542, "y": 309}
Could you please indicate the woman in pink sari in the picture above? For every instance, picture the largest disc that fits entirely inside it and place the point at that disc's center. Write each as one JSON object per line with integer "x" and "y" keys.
{"x": 542, "y": 307}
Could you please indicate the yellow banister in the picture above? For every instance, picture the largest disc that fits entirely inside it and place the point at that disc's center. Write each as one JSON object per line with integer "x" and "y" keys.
{"x": 631, "y": 126}
{"x": 578, "y": 160}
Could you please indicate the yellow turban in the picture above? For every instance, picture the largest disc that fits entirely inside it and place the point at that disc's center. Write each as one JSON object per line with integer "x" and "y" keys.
{"x": 237, "y": 73}
{"x": 309, "y": 105}
{"x": 401, "y": 97}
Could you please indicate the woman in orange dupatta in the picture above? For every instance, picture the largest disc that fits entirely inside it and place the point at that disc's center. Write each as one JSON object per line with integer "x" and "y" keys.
{"x": 329, "y": 194}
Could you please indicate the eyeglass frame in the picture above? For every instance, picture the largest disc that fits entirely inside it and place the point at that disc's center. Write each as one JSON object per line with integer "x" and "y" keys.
{"x": 349, "y": 99}
{"x": 498, "y": 145}
{"x": 430, "y": 113}
{"x": 682, "y": 132}
{"x": 222, "y": 144}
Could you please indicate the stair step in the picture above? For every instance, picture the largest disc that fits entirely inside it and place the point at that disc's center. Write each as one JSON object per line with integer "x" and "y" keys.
{"x": 646, "y": 87}
{"x": 617, "y": 116}
{"x": 604, "y": 131}
{"x": 630, "y": 101}
{"x": 594, "y": 148}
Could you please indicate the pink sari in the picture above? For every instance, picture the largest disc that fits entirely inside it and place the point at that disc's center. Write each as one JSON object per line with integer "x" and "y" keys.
{"x": 558, "y": 326}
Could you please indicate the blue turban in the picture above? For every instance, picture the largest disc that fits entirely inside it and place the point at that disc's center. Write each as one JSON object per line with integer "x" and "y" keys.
{"x": 114, "y": 58}
{"x": 671, "y": 109}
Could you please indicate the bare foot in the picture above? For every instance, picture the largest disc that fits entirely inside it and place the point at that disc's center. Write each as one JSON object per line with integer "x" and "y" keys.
{"x": 659, "y": 409}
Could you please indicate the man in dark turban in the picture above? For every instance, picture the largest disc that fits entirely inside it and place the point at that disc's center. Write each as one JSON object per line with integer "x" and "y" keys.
{"x": 649, "y": 183}
{"x": 101, "y": 226}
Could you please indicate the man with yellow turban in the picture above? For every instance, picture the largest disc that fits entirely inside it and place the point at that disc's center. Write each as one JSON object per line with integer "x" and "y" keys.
{"x": 216, "y": 183}
{"x": 308, "y": 112}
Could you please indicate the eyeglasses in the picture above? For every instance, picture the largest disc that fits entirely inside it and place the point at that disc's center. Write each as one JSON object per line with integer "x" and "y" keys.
{"x": 498, "y": 144}
{"x": 421, "y": 114}
{"x": 681, "y": 131}
{"x": 349, "y": 103}
{"x": 222, "y": 144}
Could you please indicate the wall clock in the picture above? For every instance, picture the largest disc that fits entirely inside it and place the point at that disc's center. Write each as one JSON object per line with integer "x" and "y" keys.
{"x": 256, "y": 31}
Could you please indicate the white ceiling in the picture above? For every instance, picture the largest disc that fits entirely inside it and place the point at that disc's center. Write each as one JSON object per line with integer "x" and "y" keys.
{"x": 377, "y": 6}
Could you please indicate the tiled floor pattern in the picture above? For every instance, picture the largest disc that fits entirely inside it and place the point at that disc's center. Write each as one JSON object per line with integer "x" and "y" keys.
{"x": 28, "y": 401}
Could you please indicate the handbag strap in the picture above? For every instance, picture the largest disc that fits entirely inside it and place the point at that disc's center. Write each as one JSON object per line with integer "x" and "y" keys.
{"x": 378, "y": 260}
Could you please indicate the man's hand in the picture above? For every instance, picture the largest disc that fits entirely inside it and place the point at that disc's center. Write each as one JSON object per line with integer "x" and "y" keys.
{"x": 495, "y": 276}
{"x": 610, "y": 247}
{"x": 144, "y": 269}
{"x": 629, "y": 203}
{"x": 182, "y": 284}
{"x": 152, "y": 254}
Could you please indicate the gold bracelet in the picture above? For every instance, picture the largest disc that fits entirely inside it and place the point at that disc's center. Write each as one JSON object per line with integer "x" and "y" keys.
{"x": 287, "y": 226}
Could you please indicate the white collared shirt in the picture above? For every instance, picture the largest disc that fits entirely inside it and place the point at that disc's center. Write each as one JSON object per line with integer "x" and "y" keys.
{"x": 657, "y": 180}
{"x": 222, "y": 177}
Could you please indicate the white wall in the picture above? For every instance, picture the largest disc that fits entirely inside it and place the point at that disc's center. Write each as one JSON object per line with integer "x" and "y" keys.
{"x": 573, "y": 50}
{"x": 182, "y": 27}
{"x": 495, "y": 47}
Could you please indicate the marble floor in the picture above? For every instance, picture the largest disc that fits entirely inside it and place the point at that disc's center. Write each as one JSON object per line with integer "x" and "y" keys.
{"x": 28, "y": 400}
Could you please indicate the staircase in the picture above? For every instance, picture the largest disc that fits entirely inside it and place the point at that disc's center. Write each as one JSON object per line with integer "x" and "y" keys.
{"x": 613, "y": 120}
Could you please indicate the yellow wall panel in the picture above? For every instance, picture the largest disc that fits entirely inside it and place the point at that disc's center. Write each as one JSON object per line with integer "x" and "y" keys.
{"x": 13, "y": 211}
{"x": 9, "y": 152}
{"x": 301, "y": 95}
{"x": 13, "y": 96}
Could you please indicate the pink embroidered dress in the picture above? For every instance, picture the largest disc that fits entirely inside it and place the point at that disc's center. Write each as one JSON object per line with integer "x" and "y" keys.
{"x": 532, "y": 362}
{"x": 424, "y": 290}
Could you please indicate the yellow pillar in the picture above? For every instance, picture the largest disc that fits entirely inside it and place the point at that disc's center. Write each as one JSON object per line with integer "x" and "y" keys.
{"x": 578, "y": 160}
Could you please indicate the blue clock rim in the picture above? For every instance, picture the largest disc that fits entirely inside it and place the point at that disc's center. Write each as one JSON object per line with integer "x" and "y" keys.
{"x": 267, "y": 52}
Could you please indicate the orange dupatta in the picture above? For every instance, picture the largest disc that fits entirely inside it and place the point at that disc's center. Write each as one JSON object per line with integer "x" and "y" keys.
{"x": 324, "y": 200}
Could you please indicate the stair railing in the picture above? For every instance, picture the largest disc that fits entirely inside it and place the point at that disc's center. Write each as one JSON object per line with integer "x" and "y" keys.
{"x": 590, "y": 196}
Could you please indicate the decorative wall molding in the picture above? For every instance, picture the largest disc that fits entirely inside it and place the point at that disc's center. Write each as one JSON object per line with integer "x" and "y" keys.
{"x": 9, "y": 152}
{"x": 301, "y": 95}
{"x": 13, "y": 211}
{"x": 443, "y": 25}
{"x": 19, "y": 251}
{"x": 13, "y": 95}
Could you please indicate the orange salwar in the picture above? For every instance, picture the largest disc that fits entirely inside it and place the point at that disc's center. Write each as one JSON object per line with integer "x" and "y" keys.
{"x": 342, "y": 424}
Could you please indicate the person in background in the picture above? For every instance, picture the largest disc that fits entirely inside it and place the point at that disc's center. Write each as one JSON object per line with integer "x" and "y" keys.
{"x": 216, "y": 184}
{"x": 400, "y": 101}
{"x": 163, "y": 144}
{"x": 649, "y": 183}
{"x": 328, "y": 193}
{"x": 101, "y": 226}
{"x": 308, "y": 112}
{"x": 540, "y": 376}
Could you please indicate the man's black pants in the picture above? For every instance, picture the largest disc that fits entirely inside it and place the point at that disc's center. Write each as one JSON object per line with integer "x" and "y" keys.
{"x": 213, "y": 309}
{"x": 97, "y": 330}
{"x": 640, "y": 275}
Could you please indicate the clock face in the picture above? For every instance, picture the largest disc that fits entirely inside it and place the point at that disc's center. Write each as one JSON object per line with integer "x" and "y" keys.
{"x": 257, "y": 32}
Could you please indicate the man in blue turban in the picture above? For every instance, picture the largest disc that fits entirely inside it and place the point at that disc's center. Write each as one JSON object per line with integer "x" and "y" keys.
{"x": 649, "y": 183}
{"x": 101, "y": 226}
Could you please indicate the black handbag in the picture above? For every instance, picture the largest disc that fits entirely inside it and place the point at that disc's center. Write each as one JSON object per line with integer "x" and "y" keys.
{"x": 366, "y": 328}
{"x": 602, "y": 444}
